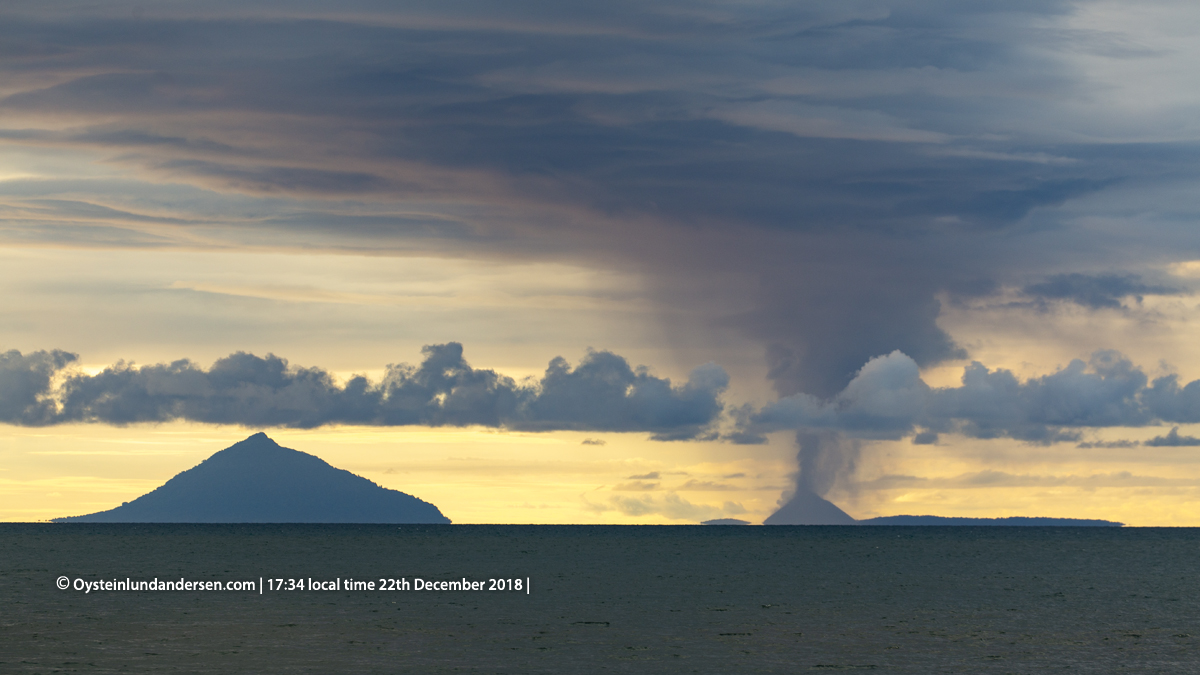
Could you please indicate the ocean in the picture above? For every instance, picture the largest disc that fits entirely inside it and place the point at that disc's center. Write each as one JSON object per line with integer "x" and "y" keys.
{"x": 590, "y": 599}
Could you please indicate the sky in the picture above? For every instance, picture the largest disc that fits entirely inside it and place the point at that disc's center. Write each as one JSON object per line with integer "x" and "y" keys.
{"x": 608, "y": 263}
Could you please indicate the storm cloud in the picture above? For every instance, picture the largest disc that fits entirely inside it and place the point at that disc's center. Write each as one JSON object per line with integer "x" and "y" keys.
{"x": 601, "y": 393}
{"x": 819, "y": 176}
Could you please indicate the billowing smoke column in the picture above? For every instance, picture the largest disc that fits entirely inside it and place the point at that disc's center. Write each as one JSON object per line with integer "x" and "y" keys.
{"x": 824, "y": 457}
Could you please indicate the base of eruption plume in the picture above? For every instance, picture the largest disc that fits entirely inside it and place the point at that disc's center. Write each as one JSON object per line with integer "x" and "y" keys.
{"x": 807, "y": 508}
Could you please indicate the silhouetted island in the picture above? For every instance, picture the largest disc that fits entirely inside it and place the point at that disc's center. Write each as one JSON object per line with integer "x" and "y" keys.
{"x": 1015, "y": 521}
{"x": 808, "y": 508}
{"x": 259, "y": 481}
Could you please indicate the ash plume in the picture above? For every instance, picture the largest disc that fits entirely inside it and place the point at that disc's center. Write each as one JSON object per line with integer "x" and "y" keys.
{"x": 819, "y": 176}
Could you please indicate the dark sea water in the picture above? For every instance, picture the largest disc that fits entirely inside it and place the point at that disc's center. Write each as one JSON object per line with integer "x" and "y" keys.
{"x": 641, "y": 599}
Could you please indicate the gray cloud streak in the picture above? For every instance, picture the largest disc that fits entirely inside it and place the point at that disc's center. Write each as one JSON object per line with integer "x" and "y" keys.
{"x": 601, "y": 393}
{"x": 1000, "y": 479}
{"x": 1104, "y": 291}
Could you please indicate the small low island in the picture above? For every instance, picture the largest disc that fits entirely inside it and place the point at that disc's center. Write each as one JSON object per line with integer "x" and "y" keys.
{"x": 1014, "y": 521}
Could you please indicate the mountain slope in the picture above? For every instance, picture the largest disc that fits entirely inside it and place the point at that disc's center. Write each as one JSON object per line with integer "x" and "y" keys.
{"x": 259, "y": 481}
{"x": 807, "y": 508}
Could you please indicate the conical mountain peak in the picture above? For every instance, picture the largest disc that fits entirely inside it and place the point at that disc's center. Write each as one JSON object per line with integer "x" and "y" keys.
{"x": 808, "y": 508}
{"x": 256, "y": 480}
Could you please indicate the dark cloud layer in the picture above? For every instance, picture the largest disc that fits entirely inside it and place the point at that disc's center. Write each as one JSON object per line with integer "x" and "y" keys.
{"x": 819, "y": 175}
{"x": 601, "y": 393}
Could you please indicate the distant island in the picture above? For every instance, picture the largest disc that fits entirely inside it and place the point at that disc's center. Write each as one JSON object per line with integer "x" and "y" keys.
{"x": 259, "y": 481}
{"x": 806, "y": 507}
{"x": 1014, "y": 521}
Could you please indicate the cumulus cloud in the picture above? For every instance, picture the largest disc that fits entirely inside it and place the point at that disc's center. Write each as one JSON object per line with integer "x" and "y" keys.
{"x": 604, "y": 393}
{"x": 601, "y": 393}
{"x": 25, "y": 385}
{"x": 888, "y": 400}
